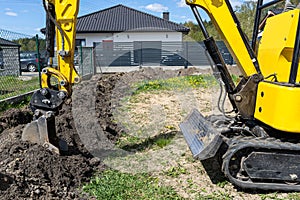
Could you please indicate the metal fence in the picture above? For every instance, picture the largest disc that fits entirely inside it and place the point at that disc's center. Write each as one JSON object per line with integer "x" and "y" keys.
{"x": 15, "y": 79}
{"x": 84, "y": 62}
{"x": 11, "y": 81}
{"x": 145, "y": 53}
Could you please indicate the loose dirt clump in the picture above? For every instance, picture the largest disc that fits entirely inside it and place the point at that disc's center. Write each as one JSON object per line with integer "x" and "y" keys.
{"x": 14, "y": 117}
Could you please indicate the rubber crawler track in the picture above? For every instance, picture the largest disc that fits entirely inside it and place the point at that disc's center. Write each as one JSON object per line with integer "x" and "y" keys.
{"x": 238, "y": 143}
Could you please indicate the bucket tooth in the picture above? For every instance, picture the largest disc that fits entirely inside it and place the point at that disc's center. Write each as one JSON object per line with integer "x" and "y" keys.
{"x": 202, "y": 139}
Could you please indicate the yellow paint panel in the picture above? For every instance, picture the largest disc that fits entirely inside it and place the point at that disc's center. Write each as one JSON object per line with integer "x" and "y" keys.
{"x": 278, "y": 106}
{"x": 277, "y": 45}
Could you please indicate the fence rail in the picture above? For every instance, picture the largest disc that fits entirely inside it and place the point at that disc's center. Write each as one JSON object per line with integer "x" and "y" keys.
{"x": 145, "y": 53}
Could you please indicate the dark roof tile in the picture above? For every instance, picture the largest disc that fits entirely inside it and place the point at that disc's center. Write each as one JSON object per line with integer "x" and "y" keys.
{"x": 4, "y": 42}
{"x": 122, "y": 18}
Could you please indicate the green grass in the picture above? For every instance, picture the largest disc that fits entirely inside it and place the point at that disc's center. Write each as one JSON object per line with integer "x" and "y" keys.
{"x": 235, "y": 78}
{"x": 175, "y": 171}
{"x": 181, "y": 82}
{"x": 222, "y": 184}
{"x": 215, "y": 196}
{"x": 12, "y": 86}
{"x": 5, "y": 105}
{"x": 294, "y": 196}
{"x": 112, "y": 185}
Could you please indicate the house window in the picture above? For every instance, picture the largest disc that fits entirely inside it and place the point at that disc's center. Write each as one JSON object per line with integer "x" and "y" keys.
{"x": 80, "y": 42}
{"x": 1, "y": 59}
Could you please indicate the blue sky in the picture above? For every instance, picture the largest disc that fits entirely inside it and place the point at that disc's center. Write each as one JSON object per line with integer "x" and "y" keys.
{"x": 28, "y": 16}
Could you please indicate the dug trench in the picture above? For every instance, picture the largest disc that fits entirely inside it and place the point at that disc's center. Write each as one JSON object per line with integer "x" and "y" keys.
{"x": 29, "y": 171}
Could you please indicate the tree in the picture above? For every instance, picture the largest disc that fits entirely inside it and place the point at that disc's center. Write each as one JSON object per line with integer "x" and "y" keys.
{"x": 245, "y": 14}
{"x": 29, "y": 44}
{"x": 196, "y": 34}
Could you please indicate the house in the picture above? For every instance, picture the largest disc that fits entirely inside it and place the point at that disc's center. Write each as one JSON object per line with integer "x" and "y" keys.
{"x": 9, "y": 58}
{"x": 126, "y": 36}
{"x": 123, "y": 24}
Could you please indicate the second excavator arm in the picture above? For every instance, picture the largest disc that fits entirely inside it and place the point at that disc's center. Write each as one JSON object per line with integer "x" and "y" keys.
{"x": 242, "y": 97}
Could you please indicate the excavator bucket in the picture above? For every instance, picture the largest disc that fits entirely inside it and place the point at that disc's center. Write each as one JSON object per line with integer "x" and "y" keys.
{"x": 42, "y": 131}
{"x": 202, "y": 138}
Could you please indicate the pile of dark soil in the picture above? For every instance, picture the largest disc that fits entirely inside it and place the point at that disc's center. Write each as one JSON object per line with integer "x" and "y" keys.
{"x": 14, "y": 117}
{"x": 29, "y": 171}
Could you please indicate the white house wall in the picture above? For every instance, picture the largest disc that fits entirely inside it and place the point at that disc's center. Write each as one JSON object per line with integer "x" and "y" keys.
{"x": 147, "y": 36}
{"x": 90, "y": 38}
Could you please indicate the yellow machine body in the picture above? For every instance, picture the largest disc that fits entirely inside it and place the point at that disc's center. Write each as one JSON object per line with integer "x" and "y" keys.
{"x": 276, "y": 46}
{"x": 278, "y": 106}
{"x": 263, "y": 139}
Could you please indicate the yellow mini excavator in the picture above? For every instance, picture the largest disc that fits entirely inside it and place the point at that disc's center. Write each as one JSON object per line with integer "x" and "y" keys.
{"x": 259, "y": 146}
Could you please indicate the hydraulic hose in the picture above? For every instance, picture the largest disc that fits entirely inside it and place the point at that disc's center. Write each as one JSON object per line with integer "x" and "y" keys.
{"x": 56, "y": 24}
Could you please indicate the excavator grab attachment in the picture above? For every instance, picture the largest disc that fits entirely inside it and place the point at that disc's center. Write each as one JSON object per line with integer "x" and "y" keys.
{"x": 45, "y": 103}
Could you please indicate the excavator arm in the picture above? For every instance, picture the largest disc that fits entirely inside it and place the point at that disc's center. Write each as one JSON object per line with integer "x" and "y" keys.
{"x": 56, "y": 82}
{"x": 242, "y": 96}
{"x": 64, "y": 19}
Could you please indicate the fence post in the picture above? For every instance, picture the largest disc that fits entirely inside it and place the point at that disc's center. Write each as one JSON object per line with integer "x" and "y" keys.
{"x": 38, "y": 58}
{"x": 186, "y": 55}
{"x": 92, "y": 65}
{"x": 20, "y": 69}
{"x": 95, "y": 58}
{"x": 81, "y": 60}
{"x": 141, "y": 55}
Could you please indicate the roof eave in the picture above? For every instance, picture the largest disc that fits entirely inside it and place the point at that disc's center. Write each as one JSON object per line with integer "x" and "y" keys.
{"x": 135, "y": 30}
